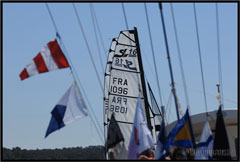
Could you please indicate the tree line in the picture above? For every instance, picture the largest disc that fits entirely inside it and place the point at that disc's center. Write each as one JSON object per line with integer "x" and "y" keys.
{"x": 73, "y": 153}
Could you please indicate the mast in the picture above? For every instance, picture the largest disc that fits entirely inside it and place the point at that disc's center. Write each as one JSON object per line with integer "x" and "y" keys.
{"x": 169, "y": 61}
{"x": 142, "y": 79}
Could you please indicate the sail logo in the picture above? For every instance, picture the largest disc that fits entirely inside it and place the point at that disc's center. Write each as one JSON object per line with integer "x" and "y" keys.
{"x": 125, "y": 64}
{"x": 123, "y": 52}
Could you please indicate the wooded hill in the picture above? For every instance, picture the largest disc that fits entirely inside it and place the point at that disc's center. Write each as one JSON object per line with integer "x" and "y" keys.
{"x": 73, "y": 153}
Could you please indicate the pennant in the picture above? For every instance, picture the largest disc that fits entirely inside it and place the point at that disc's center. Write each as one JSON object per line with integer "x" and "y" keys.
{"x": 160, "y": 152}
{"x": 114, "y": 134}
{"x": 70, "y": 108}
{"x": 205, "y": 146}
{"x": 221, "y": 149}
{"x": 50, "y": 58}
{"x": 141, "y": 137}
{"x": 181, "y": 135}
{"x": 114, "y": 139}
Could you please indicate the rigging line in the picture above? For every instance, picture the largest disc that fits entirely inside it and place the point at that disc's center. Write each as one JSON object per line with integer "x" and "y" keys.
{"x": 99, "y": 31}
{"x": 200, "y": 58}
{"x": 94, "y": 27}
{"x": 125, "y": 17}
{"x": 169, "y": 61}
{"x": 72, "y": 69}
{"x": 180, "y": 58}
{"x": 53, "y": 21}
{"x": 89, "y": 51}
{"x": 153, "y": 54}
{"x": 148, "y": 63}
{"x": 207, "y": 93}
{"x": 219, "y": 57}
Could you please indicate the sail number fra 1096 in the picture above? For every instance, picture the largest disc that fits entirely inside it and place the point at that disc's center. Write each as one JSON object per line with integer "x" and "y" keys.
{"x": 119, "y": 90}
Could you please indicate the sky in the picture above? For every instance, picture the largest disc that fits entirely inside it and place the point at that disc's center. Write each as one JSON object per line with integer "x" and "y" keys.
{"x": 27, "y": 27}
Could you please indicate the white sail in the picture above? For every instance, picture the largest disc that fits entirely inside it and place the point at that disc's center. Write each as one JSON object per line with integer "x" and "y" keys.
{"x": 106, "y": 84}
{"x": 124, "y": 86}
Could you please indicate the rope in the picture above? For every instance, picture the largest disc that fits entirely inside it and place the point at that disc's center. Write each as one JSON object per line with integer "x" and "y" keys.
{"x": 75, "y": 77}
{"x": 207, "y": 93}
{"x": 219, "y": 57}
{"x": 99, "y": 31}
{"x": 89, "y": 51}
{"x": 153, "y": 54}
{"x": 84, "y": 93}
{"x": 125, "y": 17}
{"x": 94, "y": 27}
{"x": 53, "y": 21}
{"x": 200, "y": 58}
{"x": 180, "y": 58}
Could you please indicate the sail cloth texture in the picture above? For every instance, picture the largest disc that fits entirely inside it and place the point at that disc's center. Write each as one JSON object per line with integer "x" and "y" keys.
{"x": 205, "y": 146}
{"x": 71, "y": 107}
{"x": 141, "y": 137}
{"x": 181, "y": 135}
{"x": 49, "y": 58}
{"x": 160, "y": 152}
{"x": 221, "y": 149}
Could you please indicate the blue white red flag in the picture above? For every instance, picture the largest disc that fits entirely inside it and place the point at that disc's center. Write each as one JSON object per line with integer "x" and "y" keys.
{"x": 141, "y": 137}
{"x": 71, "y": 107}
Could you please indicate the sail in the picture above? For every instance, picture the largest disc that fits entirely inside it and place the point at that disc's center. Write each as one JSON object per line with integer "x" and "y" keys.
{"x": 106, "y": 84}
{"x": 124, "y": 86}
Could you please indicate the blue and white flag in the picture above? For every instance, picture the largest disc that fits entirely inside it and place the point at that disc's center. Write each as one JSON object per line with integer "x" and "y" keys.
{"x": 160, "y": 152}
{"x": 70, "y": 108}
{"x": 141, "y": 137}
{"x": 205, "y": 146}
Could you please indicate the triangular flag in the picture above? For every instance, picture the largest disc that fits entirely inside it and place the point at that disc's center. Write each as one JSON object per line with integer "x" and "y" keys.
{"x": 205, "y": 146}
{"x": 50, "y": 58}
{"x": 70, "y": 108}
{"x": 114, "y": 143}
{"x": 114, "y": 134}
{"x": 182, "y": 134}
{"x": 221, "y": 149}
{"x": 141, "y": 137}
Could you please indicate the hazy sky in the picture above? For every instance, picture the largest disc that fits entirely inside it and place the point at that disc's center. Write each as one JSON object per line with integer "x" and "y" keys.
{"x": 27, "y": 27}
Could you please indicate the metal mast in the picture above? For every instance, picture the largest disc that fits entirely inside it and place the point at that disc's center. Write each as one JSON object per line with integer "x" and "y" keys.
{"x": 169, "y": 61}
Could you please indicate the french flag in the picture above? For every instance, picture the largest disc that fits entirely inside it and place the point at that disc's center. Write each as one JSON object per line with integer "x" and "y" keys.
{"x": 50, "y": 58}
